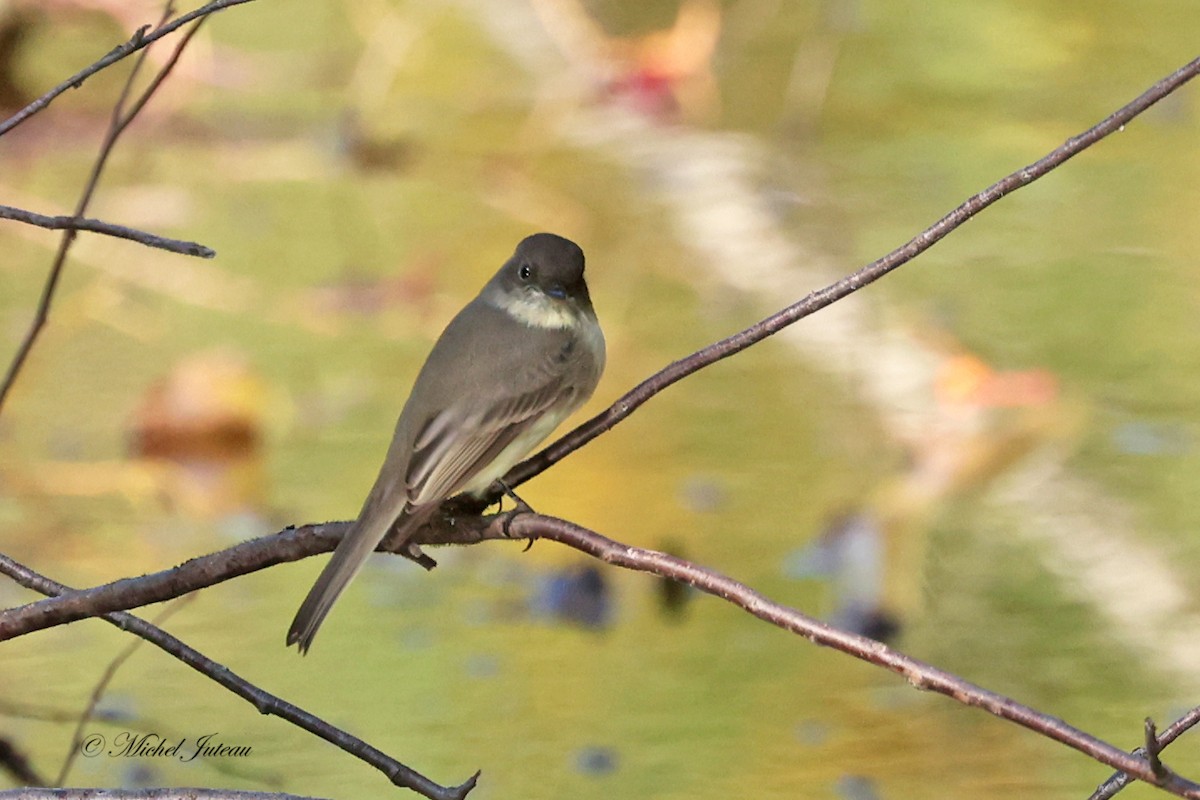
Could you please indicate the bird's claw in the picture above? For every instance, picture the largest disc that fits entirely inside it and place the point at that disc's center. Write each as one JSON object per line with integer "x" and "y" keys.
{"x": 510, "y": 494}
{"x": 522, "y": 508}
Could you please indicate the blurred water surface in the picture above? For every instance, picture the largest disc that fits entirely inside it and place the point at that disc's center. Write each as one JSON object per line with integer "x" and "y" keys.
{"x": 993, "y": 449}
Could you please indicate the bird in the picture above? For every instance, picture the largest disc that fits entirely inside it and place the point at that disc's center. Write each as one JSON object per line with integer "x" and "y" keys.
{"x": 514, "y": 363}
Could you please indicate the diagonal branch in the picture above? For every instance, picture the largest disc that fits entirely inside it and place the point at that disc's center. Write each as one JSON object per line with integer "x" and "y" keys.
{"x": 198, "y": 573}
{"x": 138, "y": 41}
{"x": 1119, "y": 781}
{"x": 918, "y": 673}
{"x": 678, "y": 370}
{"x": 101, "y": 687}
{"x": 296, "y": 543}
{"x": 265, "y": 702}
{"x": 119, "y": 122}
{"x": 38, "y": 793}
{"x": 61, "y": 223}
{"x": 291, "y": 544}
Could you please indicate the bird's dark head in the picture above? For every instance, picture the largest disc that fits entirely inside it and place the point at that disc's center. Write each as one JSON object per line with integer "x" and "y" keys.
{"x": 542, "y": 284}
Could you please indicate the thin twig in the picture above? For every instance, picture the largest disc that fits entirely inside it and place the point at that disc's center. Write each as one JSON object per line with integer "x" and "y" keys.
{"x": 159, "y": 587}
{"x": 817, "y": 300}
{"x": 129, "y": 724}
{"x": 119, "y": 122}
{"x": 1118, "y": 781}
{"x": 102, "y": 686}
{"x": 292, "y": 544}
{"x": 1152, "y": 748}
{"x": 263, "y": 701}
{"x": 138, "y": 41}
{"x": 36, "y": 793}
{"x": 918, "y": 673}
{"x": 60, "y": 223}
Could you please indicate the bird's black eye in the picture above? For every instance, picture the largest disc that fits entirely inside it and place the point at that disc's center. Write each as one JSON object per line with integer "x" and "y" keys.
{"x": 525, "y": 272}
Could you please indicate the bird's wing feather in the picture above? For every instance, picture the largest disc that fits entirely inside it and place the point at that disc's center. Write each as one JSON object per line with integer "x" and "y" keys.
{"x": 456, "y": 444}
{"x": 449, "y": 448}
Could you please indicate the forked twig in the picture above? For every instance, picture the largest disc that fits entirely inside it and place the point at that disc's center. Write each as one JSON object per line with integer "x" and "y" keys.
{"x": 264, "y": 701}
{"x": 138, "y": 41}
{"x": 117, "y": 125}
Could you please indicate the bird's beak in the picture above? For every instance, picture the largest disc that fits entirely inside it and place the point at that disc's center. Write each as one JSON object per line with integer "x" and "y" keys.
{"x": 557, "y": 291}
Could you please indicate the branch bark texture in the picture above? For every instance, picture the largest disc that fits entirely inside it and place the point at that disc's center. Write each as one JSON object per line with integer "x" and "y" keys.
{"x": 297, "y": 543}
{"x": 815, "y": 301}
{"x": 121, "y": 119}
{"x": 263, "y": 701}
{"x": 141, "y": 39}
{"x": 64, "y": 223}
{"x": 110, "y": 600}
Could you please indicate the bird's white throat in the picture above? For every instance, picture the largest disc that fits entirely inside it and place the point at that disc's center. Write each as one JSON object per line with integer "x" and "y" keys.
{"x": 539, "y": 311}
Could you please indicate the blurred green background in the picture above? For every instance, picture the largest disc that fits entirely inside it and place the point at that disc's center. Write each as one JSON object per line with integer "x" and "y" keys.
{"x": 990, "y": 456}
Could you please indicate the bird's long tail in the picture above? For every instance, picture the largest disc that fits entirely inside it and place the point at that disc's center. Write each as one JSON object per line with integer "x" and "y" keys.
{"x": 360, "y": 541}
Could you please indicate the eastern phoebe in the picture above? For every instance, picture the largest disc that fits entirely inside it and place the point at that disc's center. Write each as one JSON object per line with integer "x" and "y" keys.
{"x": 517, "y": 361}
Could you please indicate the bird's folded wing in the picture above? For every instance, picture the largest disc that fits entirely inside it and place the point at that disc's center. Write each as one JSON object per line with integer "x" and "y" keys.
{"x": 456, "y": 444}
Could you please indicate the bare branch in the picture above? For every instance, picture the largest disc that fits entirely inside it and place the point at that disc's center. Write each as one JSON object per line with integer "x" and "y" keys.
{"x": 678, "y": 370}
{"x": 37, "y": 793}
{"x": 299, "y": 543}
{"x": 120, "y": 121}
{"x": 197, "y": 573}
{"x": 1151, "y": 748}
{"x": 102, "y": 686}
{"x": 1120, "y": 780}
{"x": 138, "y": 41}
{"x": 292, "y": 544}
{"x": 918, "y": 673}
{"x": 60, "y": 223}
{"x": 263, "y": 701}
